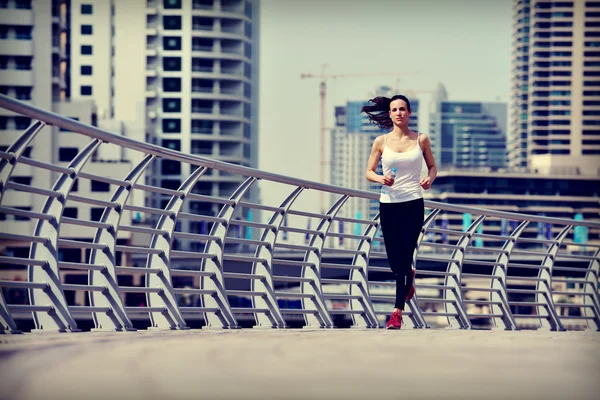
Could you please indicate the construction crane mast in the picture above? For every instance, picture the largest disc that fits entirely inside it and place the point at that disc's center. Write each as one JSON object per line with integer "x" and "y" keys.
{"x": 323, "y": 77}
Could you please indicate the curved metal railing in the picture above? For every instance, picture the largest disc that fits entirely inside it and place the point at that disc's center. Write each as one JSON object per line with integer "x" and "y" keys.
{"x": 171, "y": 255}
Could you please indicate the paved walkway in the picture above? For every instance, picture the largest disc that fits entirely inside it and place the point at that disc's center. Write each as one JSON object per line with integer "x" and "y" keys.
{"x": 301, "y": 364}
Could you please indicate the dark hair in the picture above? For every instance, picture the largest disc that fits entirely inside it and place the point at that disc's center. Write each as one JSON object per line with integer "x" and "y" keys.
{"x": 379, "y": 113}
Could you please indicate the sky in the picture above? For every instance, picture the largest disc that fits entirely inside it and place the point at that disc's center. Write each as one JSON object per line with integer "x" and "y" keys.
{"x": 463, "y": 44}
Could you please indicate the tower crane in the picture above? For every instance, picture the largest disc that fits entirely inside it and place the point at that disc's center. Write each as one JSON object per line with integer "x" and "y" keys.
{"x": 323, "y": 77}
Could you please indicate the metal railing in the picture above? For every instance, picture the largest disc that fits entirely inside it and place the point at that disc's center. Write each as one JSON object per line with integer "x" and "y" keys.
{"x": 178, "y": 256}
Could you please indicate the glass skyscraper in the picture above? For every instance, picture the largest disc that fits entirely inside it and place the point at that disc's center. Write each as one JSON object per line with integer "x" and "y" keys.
{"x": 468, "y": 134}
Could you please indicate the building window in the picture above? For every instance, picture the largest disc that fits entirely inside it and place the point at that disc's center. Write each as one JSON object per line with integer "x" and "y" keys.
{"x": 23, "y": 92}
{"x": 201, "y": 147}
{"x": 172, "y": 144}
{"x": 23, "y": 4}
{"x": 70, "y": 212}
{"x": 172, "y": 184}
{"x": 170, "y": 167}
{"x": 23, "y": 180}
{"x": 23, "y": 32}
{"x": 172, "y": 22}
{"x": 172, "y": 43}
{"x": 66, "y": 154}
{"x": 86, "y": 49}
{"x": 202, "y": 126}
{"x": 96, "y": 213}
{"x": 171, "y": 105}
{"x": 172, "y": 4}
{"x": 87, "y": 9}
{"x": 172, "y": 63}
{"x": 86, "y": 29}
{"x": 20, "y": 218}
{"x": 22, "y": 122}
{"x": 86, "y": 70}
{"x": 98, "y": 186}
{"x": 22, "y": 63}
{"x": 172, "y": 84}
{"x": 86, "y": 90}
{"x": 170, "y": 125}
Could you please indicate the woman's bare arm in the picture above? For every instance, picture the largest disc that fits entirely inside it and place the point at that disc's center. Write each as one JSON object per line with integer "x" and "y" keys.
{"x": 374, "y": 161}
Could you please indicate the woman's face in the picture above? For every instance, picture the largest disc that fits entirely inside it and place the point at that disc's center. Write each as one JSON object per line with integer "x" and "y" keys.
{"x": 399, "y": 112}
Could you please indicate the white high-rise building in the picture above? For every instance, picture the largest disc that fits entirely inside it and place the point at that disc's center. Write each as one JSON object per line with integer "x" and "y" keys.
{"x": 178, "y": 73}
{"x": 34, "y": 68}
{"x": 554, "y": 120}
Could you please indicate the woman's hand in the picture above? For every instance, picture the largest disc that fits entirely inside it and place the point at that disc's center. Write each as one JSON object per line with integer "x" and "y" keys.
{"x": 425, "y": 183}
{"x": 386, "y": 180}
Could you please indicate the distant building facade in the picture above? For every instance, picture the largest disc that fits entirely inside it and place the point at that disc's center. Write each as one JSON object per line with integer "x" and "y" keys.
{"x": 467, "y": 134}
{"x": 534, "y": 194}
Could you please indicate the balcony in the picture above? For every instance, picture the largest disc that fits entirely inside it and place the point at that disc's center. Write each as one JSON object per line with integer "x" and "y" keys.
{"x": 232, "y": 71}
{"x": 16, "y": 17}
{"x": 232, "y": 111}
{"x": 15, "y": 77}
{"x": 203, "y": 5}
{"x": 233, "y": 50}
{"x": 204, "y": 131}
{"x": 16, "y": 47}
{"x": 235, "y": 29}
{"x": 233, "y": 8}
{"x": 203, "y": 27}
{"x": 205, "y": 49}
{"x": 151, "y": 92}
{"x": 236, "y": 91}
{"x": 202, "y": 110}
{"x": 213, "y": 13}
{"x": 202, "y": 68}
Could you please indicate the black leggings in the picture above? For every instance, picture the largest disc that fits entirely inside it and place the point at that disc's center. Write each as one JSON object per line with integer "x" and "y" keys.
{"x": 401, "y": 225}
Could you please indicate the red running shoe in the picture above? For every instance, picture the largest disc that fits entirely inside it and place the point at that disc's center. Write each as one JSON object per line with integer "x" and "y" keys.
{"x": 411, "y": 291}
{"x": 395, "y": 321}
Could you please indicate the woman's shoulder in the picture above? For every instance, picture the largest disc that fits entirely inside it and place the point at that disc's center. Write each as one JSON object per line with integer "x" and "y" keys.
{"x": 422, "y": 137}
{"x": 379, "y": 140}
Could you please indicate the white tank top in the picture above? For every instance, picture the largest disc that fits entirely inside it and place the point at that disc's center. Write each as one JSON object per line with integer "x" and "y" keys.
{"x": 408, "y": 166}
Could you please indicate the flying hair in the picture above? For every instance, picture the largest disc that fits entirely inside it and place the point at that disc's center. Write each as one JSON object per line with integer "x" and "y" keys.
{"x": 378, "y": 113}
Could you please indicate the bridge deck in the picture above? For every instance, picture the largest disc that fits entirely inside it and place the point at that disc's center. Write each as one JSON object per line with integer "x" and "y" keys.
{"x": 301, "y": 364}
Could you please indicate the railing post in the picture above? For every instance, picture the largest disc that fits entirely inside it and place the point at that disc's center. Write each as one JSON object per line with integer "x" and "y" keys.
{"x": 499, "y": 282}
{"x": 116, "y": 319}
{"x": 7, "y": 323}
{"x": 172, "y": 318}
{"x": 7, "y": 166}
{"x": 224, "y": 318}
{"x": 15, "y": 150}
{"x": 321, "y": 317}
{"x": 454, "y": 281}
{"x": 274, "y": 319}
{"x": 591, "y": 293}
{"x": 60, "y": 319}
{"x": 552, "y": 320}
{"x": 368, "y": 319}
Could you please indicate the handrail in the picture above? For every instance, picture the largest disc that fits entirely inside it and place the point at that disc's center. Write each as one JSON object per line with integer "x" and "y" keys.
{"x": 51, "y": 118}
{"x": 194, "y": 255}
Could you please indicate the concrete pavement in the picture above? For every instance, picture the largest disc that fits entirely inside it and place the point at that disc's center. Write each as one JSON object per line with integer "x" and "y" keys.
{"x": 301, "y": 364}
